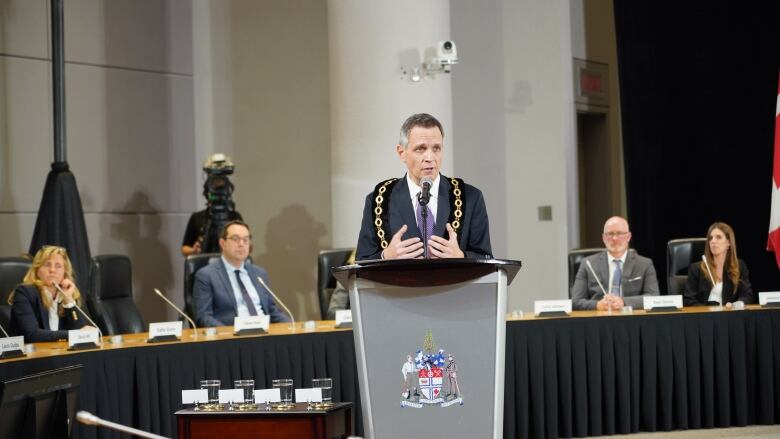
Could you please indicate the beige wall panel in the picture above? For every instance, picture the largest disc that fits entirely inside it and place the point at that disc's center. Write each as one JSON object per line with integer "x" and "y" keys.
{"x": 17, "y": 232}
{"x": 25, "y": 133}
{"x": 281, "y": 134}
{"x": 140, "y": 34}
{"x": 151, "y": 241}
{"x": 24, "y": 28}
{"x": 130, "y": 139}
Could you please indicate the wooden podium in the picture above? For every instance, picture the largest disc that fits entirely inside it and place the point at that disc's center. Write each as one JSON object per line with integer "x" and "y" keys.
{"x": 331, "y": 423}
{"x": 430, "y": 340}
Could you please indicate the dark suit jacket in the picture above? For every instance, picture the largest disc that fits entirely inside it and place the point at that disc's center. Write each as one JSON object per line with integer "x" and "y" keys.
{"x": 215, "y": 303}
{"x": 638, "y": 279}
{"x": 698, "y": 286}
{"x": 473, "y": 236}
{"x": 31, "y": 319}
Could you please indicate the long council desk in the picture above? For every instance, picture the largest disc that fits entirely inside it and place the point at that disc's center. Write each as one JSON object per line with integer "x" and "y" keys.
{"x": 589, "y": 374}
{"x": 139, "y": 384}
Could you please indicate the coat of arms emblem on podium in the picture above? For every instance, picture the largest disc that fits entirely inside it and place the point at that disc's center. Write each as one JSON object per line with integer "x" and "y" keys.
{"x": 430, "y": 377}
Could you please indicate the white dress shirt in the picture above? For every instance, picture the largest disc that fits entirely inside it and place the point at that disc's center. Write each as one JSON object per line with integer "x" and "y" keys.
{"x": 433, "y": 203}
{"x": 612, "y": 266}
{"x": 241, "y": 309}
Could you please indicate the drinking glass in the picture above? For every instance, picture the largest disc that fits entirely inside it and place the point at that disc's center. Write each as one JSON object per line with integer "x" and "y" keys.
{"x": 248, "y": 386}
{"x": 285, "y": 386}
{"x": 212, "y": 387}
{"x": 326, "y": 385}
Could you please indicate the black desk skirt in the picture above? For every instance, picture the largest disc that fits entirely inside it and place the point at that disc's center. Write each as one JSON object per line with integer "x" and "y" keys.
{"x": 564, "y": 377}
{"x": 623, "y": 374}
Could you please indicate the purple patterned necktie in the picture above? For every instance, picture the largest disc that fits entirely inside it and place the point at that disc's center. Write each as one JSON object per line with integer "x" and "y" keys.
{"x": 429, "y": 221}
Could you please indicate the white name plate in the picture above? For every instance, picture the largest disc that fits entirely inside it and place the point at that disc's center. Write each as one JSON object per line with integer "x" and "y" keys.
{"x": 12, "y": 347}
{"x": 263, "y": 396}
{"x": 552, "y": 307}
{"x": 308, "y": 395}
{"x": 344, "y": 318}
{"x": 195, "y": 396}
{"x": 83, "y": 338}
{"x": 771, "y": 298}
{"x": 251, "y": 324}
{"x": 165, "y": 331}
{"x": 227, "y": 396}
{"x": 662, "y": 303}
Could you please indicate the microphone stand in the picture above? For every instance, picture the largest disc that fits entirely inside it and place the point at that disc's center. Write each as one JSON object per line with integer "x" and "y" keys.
{"x": 88, "y": 418}
{"x": 194, "y": 328}
{"x": 76, "y": 305}
{"x": 287, "y": 310}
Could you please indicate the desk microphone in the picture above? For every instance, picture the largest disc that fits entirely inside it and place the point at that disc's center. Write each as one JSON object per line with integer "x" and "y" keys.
{"x": 3, "y": 329}
{"x": 423, "y": 198}
{"x": 279, "y": 301}
{"x": 82, "y": 312}
{"x": 707, "y": 266}
{"x": 88, "y": 418}
{"x": 587, "y": 262}
{"x": 162, "y": 296}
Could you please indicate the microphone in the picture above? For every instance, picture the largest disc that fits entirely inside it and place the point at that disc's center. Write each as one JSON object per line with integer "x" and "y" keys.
{"x": 162, "y": 296}
{"x": 3, "y": 329}
{"x": 82, "y": 312}
{"x": 425, "y": 195}
{"x": 587, "y": 262}
{"x": 707, "y": 266}
{"x": 88, "y": 418}
{"x": 279, "y": 301}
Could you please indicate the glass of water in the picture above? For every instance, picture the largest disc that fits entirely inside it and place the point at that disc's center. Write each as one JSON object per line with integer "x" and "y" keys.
{"x": 248, "y": 386}
{"x": 326, "y": 385}
{"x": 212, "y": 387}
{"x": 285, "y": 386}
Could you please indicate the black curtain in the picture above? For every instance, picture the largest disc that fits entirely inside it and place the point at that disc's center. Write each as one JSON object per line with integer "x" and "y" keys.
{"x": 61, "y": 221}
{"x": 698, "y": 86}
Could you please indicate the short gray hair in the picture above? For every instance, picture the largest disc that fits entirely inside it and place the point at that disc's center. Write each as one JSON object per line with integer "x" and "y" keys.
{"x": 423, "y": 120}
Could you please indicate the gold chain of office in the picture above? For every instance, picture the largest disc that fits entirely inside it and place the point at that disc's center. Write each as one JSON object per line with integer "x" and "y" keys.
{"x": 381, "y": 198}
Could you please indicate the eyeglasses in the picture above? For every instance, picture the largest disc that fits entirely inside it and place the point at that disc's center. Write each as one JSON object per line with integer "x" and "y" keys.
{"x": 244, "y": 239}
{"x": 615, "y": 234}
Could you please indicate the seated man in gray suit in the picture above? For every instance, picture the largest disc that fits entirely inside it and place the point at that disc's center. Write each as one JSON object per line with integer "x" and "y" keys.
{"x": 624, "y": 274}
{"x": 228, "y": 287}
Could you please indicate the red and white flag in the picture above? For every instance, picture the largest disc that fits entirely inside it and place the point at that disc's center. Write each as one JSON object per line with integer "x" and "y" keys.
{"x": 773, "y": 243}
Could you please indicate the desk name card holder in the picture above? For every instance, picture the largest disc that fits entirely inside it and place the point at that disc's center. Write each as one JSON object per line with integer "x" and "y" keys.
{"x": 85, "y": 338}
{"x": 344, "y": 318}
{"x": 164, "y": 331}
{"x": 769, "y": 299}
{"x": 552, "y": 308}
{"x": 12, "y": 347}
{"x": 662, "y": 303}
{"x": 195, "y": 396}
{"x": 251, "y": 325}
{"x": 308, "y": 395}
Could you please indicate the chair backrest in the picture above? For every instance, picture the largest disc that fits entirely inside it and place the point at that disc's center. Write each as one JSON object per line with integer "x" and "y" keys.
{"x": 575, "y": 259}
{"x": 680, "y": 254}
{"x": 192, "y": 264}
{"x": 12, "y": 271}
{"x": 326, "y": 260}
{"x": 110, "y": 297}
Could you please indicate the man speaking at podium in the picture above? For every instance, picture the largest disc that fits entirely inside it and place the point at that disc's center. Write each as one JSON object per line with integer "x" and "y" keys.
{"x": 424, "y": 206}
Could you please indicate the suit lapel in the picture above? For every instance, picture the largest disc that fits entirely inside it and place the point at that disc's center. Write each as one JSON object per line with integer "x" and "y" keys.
{"x": 628, "y": 268}
{"x": 442, "y": 206}
{"x": 228, "y": 287}
{"x": 402, "y": 203}
{"x": 43, "y": 313}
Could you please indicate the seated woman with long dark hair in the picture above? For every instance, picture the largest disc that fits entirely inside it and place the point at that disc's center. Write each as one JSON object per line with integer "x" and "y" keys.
{"x": 39, "y": 311}
{"x": 722, "y": 278}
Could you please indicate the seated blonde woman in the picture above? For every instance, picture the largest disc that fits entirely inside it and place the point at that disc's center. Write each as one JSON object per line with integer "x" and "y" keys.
{"x": 39, "y": 311}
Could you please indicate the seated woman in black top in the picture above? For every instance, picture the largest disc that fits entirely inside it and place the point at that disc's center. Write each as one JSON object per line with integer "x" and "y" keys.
{"x": 723, "y": 279}
{"x": 39, "y": 311}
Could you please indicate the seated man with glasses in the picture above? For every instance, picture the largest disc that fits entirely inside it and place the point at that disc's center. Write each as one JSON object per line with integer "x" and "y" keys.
{"x": 623, "y": 274}
{"x": 228, "y": 287}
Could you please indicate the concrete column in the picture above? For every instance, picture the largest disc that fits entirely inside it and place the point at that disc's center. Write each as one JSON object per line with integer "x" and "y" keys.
{"x": 369, "y": 43}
